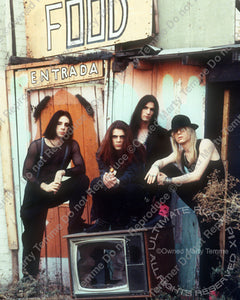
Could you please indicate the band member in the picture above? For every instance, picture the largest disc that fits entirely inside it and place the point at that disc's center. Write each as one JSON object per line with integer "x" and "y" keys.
{"x": 44, "y": 167}
{"x": 146, "y": 130}
{"x": 156, "y": 141}
{"x": 120, "y": 199}
{"x": 198, "y": 160}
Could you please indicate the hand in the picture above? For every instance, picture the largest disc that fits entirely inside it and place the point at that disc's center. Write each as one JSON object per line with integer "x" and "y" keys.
{"x": 51, "y": 187}
{"x": 152, "y": 174}
{"x": 160, "y": 178}
{"x": 58, "y": 176}
{"x": 109, "y": 180}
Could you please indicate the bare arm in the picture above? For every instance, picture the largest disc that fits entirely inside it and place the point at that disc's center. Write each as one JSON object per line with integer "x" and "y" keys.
{"x": 157, "y": 165}
{"x": 207, "y": 152}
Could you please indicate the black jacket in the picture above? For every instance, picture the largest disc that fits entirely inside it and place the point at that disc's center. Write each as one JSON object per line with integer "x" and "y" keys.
{"x": 131, "y": 174}
{"x": 157, "y": 145}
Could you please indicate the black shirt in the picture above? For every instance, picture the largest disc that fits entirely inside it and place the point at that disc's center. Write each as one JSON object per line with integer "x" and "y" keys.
{"x": 213, "y": 165}
{"x": 52, "y": 161}
{"x": 157, "y": 145}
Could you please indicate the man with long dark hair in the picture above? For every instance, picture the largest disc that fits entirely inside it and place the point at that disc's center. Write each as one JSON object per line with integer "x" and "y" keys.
{"x": 44, "y": 166}
{"x": 156, "y": 141}
{"x": 120, "y": 197}
{"x": 145, "y": 129}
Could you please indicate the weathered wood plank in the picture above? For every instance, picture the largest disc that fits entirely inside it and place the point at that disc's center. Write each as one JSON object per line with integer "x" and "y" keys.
{"x": 224, "y": 155}
{"x": 8, "y": 186}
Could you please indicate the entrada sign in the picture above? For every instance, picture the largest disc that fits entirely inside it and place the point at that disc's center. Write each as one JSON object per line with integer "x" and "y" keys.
{"x": 57, "y": 27}
{"x": 65, "y": 74}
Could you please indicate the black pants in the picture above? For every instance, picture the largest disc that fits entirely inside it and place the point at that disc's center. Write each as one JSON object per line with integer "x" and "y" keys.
{"x": 117, "y": 204}
{"x": 34, "y": 213}
{"x": 163, "y": 194}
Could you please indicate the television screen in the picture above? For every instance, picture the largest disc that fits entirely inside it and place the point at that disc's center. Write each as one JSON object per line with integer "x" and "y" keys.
{"x": 114, "y": 264}
{"x": 119, "y": 264}
{"x": 102, "y": 264}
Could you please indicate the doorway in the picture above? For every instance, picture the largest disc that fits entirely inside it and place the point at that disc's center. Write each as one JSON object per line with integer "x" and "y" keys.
{"x": 218, "y": 114}
{"x": 88, "y": 125}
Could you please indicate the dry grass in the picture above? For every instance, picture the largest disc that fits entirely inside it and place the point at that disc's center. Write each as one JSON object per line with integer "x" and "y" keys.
{"x": 220, "y": 201}
{"x": 32, "y": 289}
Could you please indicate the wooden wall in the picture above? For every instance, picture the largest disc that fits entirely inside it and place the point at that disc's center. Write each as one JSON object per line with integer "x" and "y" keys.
{"x": 178, "y": 88}
{"x": 88, "y": 131}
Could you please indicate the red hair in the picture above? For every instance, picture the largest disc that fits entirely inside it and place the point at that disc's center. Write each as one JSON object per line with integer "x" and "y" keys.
{"x": 108, "y": 154}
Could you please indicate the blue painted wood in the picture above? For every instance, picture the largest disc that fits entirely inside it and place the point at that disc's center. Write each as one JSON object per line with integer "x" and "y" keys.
{"x": 20, "y": 138}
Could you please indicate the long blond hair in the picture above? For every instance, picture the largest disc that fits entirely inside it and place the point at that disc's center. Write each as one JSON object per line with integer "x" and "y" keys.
{"x": 177, "y": 149}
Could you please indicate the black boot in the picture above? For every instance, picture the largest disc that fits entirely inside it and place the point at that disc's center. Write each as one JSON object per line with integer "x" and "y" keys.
{"x": 100, "y": 225}
{"x": 76, "y": 227}
{"x": 133, "y": 221}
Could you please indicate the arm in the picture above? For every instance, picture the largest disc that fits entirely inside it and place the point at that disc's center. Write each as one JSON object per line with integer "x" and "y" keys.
{"x": 51, "y": 187}
{"x": 103, "y": 168}
{"x": 131, "y": 173}
{"x": 30, "y": 166}
{"x": 206, "y": 152}
{"x": 109, "y": 180}
{"x": 107, "y": 177}
{"x": 79, "y": 168}
{"x": 158, "y": 144}
{"x": 157, "y": 165}
{"x": 76, "y": 157}
{"x": 164, "y": 143}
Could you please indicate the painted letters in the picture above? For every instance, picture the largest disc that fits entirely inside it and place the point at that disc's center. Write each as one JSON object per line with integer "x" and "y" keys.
{"x": 94, "y": 18}
{"x": 57, "y": 27}
{"x": 63, "y": 74}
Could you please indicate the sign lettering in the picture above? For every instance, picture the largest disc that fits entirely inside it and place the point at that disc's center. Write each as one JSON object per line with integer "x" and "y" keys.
{"x": 64, "y": 74}
{"x": 58, "y": 27}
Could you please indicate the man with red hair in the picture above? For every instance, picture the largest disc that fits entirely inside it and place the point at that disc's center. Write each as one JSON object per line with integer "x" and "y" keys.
{"x": 121, "y": 165}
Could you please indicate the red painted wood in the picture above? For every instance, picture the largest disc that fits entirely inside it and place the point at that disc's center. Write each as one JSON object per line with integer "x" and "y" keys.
{"x": 86, "y": 136}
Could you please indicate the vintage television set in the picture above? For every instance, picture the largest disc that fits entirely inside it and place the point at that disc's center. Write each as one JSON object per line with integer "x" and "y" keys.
{"x": 116, "y": 264}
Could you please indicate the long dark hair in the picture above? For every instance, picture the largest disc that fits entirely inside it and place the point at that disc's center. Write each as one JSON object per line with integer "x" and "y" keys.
{"x": 107, "y": 153}
{"x": 136, "y": 116}
{"x": 50, "y": 131}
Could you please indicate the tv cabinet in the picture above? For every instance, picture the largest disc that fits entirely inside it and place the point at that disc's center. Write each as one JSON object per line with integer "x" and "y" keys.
{"x": 122, "y": 264}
